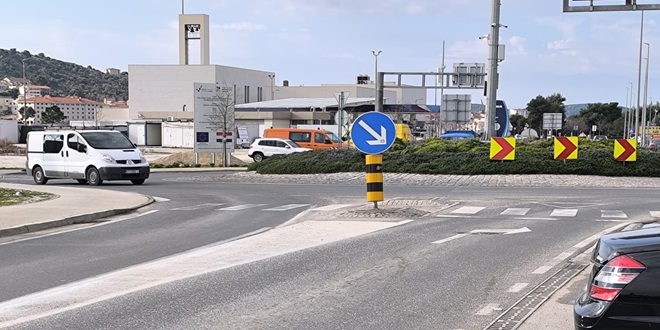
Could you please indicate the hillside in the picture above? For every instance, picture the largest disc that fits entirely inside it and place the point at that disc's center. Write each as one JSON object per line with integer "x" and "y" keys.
{"x": 63, "y": 78}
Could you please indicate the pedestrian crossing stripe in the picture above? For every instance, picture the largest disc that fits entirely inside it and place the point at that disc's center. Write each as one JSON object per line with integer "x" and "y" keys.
{"x": 515, "y": 211}
{"x": 468, "y": 210}
{"x": 564, "y": 213}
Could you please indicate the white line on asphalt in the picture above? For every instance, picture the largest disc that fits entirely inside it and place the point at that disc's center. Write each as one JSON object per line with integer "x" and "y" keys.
{"x": 531, "y": 218}
{"x": 160, "y": 199}
{"x": 449, "y": 239}
{"x": 468, "y": 210}
{"x": 196, "y": 207}
{"x": 515, "y": 211}
{"x": 286, "y": 207}
{"x": 122, "y": 218}
{"x": 517, "y": 287}
{"x": 487, "y": 310}
{"x": 592, "y": 238}
{"x": 655, "y": 214}
{"x": 450, "y": 216}
{"x": 564, "y": 213}
{"x": 240, "y": 207}
{"x": 613, "y": 214}
{"x": 189, "y": 264}
{"x": 331, "y": 207}
{"x": 554, "y": 262}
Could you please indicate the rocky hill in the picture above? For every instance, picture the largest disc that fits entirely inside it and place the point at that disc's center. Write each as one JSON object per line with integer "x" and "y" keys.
{"x": 64, "y": 78}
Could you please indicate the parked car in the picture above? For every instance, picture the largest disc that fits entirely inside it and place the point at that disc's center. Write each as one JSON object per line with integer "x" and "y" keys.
{"x": 457, "y": 135}
{"x": 599, "y": 137}
{"x": 623, "y": 290}
{"x": 654, "y": 144}
{"x": 306, "y": 137}
{"x": 266, "y": 147}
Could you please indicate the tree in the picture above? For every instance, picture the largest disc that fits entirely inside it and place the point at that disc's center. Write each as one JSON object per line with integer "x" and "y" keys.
{"x": 26, "y": 113}
{"x": 518, "y": 123}
{"x": 221, "y": 116}
{"x": 540, "y": 105}
{"x": 603, "y": 115}
{"x": 52, "y": 115}
{"x": 14, "y": 92}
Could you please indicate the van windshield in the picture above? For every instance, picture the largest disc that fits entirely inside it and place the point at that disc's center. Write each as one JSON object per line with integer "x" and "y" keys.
{"x": 333, "y": 137}
{"x": 107, "y": 140}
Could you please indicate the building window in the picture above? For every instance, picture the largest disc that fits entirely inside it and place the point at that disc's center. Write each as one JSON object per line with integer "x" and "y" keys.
{"x": 260, "y": 92}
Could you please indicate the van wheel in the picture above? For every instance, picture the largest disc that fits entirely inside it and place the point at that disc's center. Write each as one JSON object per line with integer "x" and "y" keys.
{"x": 93, "y": 177}
{"x": 257, "y": 157}
{"x": 138, "y": 181}
{"x": 82, "y": 181}
{"x": 39, "y": 176}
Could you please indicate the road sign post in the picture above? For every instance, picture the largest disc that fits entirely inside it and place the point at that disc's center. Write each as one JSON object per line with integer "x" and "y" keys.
{"x": 373, "y": 133}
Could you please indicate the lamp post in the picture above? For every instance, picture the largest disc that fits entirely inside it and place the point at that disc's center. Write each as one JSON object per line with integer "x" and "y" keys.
{"x": 639, "y": 76}
{"x": 625, "y": 115}
{"x": 24, "y": 93}
{"x": 272, "y": 86}
{"x": 646, "y": 86}
{"x": 493, "y": 78}
{"x": 376, "y": 53}
{"x": 630, "y": 112}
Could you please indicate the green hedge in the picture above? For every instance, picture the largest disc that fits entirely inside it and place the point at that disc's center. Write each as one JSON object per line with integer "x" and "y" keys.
{"x": 469, "y": 157}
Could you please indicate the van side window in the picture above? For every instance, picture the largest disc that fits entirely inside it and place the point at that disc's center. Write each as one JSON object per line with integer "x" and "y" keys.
{"x": 72, "y": 141}
{"x": 300, "y": 136}
{"x": 53, "y": 143}
{"x": 319, "y": 138}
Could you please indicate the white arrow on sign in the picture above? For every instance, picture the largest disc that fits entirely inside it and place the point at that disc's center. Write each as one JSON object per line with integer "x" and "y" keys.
{"x": 379, "y": 138}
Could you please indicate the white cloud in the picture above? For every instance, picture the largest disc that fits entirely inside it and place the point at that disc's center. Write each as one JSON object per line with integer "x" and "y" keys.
{"x": 558, "y": 45}
{"x": 518, "y": 45}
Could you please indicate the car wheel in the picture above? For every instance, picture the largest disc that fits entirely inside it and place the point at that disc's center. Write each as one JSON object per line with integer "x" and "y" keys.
{"x": 93, "y": 177}
{"x": 137, "y": 181}
{"x": 258, "y": 157}
{"x": 82, "y": 181}
{"x": 39, "y": 176}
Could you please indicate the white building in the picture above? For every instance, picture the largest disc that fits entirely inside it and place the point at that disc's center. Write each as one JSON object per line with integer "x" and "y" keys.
{"x": 33, "y": 90}
{"x": 7, "y": 106}
{"x": 74, "y": 108}
{"x": 111, "y": 71}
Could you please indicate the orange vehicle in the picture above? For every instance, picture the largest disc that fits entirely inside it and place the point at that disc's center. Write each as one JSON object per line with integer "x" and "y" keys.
{"x": 306, "y": 138}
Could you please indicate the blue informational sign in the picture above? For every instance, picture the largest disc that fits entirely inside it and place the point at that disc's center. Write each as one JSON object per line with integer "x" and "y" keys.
{"x": 373, "y": 133}
{"x": 502, "y": 118}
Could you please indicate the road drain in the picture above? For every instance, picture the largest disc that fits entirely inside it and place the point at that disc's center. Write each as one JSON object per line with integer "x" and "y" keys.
{"x": 513, "y": 317}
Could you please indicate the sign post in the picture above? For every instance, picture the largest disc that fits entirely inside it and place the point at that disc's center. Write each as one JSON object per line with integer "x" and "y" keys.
{"x": 373, "y": 133}
{"x": 341, "y": 98}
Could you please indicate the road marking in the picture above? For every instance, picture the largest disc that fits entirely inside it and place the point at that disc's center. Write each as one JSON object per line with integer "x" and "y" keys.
{"x": 160, "y": 199}
{"x": 515, "y": 211}
{"x": 613, "y": 214}
{"x": 449, "y": 239}
{"x": 517, "y": 287}
{"x": 564, "y": 213}
{"x": 286, "y": 207}
{"x": 468, "y": 210}
{"x": 531, "y": 218}
{"x": 196, "y": 207}
{"x": 655, "y": 214}
{"x": 240, "y": 207}
{"x": 591, "y": 239}
{"x": 488, "y": 309}
{"x": 204, "y": 260}
{"x": 554, "y": 262}
{"x": 331, "y": 207}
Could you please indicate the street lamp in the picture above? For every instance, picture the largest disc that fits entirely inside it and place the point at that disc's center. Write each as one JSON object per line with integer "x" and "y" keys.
{"x": 272, "y": 88}
{"x": 24, "y": 93}
{"x": 376, "y": 53}
{"x": 646, "y": 87}
{"x": 639, "y": 75}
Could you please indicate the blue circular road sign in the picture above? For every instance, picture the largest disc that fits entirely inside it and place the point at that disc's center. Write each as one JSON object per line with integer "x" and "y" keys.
{"x": 373, "y": 133}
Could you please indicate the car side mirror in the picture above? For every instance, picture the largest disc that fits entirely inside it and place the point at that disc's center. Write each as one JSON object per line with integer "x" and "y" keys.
{"x": 288, "y": 147}
{"x": 82, "y": 148}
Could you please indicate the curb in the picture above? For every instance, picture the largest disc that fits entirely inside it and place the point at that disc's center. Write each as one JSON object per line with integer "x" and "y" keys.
{"x": 83, "y": 218}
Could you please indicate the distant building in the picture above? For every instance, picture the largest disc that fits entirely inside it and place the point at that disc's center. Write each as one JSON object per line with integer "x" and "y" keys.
{"x": 14, "y": 82}
{"x": 520, "y": 112}
{"x": 33, "y": 90}
{"x": 7, "y": 106}
{"x": 74, "y": 108}
{"x": 111, "y": 71}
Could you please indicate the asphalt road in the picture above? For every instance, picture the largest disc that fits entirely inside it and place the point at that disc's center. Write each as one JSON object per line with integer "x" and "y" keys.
{"x": 435, "y": 272}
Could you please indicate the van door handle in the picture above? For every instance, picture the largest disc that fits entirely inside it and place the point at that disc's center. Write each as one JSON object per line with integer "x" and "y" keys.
{"x": 67, "y": 153}
{"x": 62, "y": 153}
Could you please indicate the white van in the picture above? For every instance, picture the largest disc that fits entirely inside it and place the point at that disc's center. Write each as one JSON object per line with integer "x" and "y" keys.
{"x": 88, "y": 156}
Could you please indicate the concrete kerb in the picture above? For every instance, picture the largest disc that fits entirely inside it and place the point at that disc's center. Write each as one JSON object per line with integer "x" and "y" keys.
{"x": 82, "y": 218}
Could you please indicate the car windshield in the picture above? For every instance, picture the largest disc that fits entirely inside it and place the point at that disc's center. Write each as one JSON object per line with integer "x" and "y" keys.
{"x": 333, "y": 137}
{"x": 107, "y": 140}
{"x": 292, "y": 144}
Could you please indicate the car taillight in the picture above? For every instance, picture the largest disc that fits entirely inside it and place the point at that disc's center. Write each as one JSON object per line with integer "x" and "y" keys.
{"x": 614, "y": 276}
{"x": 250, "y": 147}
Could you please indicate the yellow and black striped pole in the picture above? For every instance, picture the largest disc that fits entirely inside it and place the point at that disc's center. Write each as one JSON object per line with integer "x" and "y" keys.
{"x": 374, "y": 179}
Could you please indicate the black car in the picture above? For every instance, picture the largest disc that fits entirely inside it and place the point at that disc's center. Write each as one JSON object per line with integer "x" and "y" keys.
{"x": 623, "y": 291}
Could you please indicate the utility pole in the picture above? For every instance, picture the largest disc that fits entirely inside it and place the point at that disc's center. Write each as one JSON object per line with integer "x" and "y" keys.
{"x": 639, "y": 77}
{"x": 376, "y": 53}
{"x": 493, "y": 78}
{"x": 646, "y": 86}
{"x": 442, "y": 88}
{"x": 24, "y": 94}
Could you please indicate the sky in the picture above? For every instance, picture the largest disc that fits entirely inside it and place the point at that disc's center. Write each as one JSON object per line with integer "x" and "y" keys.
{"x": 586, "y": 57}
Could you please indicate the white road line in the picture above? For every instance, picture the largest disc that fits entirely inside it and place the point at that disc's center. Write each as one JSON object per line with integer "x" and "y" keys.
{"x": 196, "y": 207}
{"x": 240, "y": 207}
{"x": 196, "y": 262}
{"x": 592, "y": 238}
{"x": 487, "y": 310}
{"x": 160, "y": 199}
{"x": 517, "y": 287}
{"x": 331, "y": 207}
{"x": 613, "y": 214}
{"x": 515, "y": 211}
{"x": 564, "y": 213}
{"x": 532, "y": 218}
{"x": 449, "y": 239}
{"x": 286, "y": 207}
{"x": 554, "y": 262}
{"x": 468, "y": 210}
{"x": 655, "y": 214}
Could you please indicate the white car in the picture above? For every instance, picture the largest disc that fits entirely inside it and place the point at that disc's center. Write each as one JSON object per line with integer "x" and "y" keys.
{"x": 266, "y": 147}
